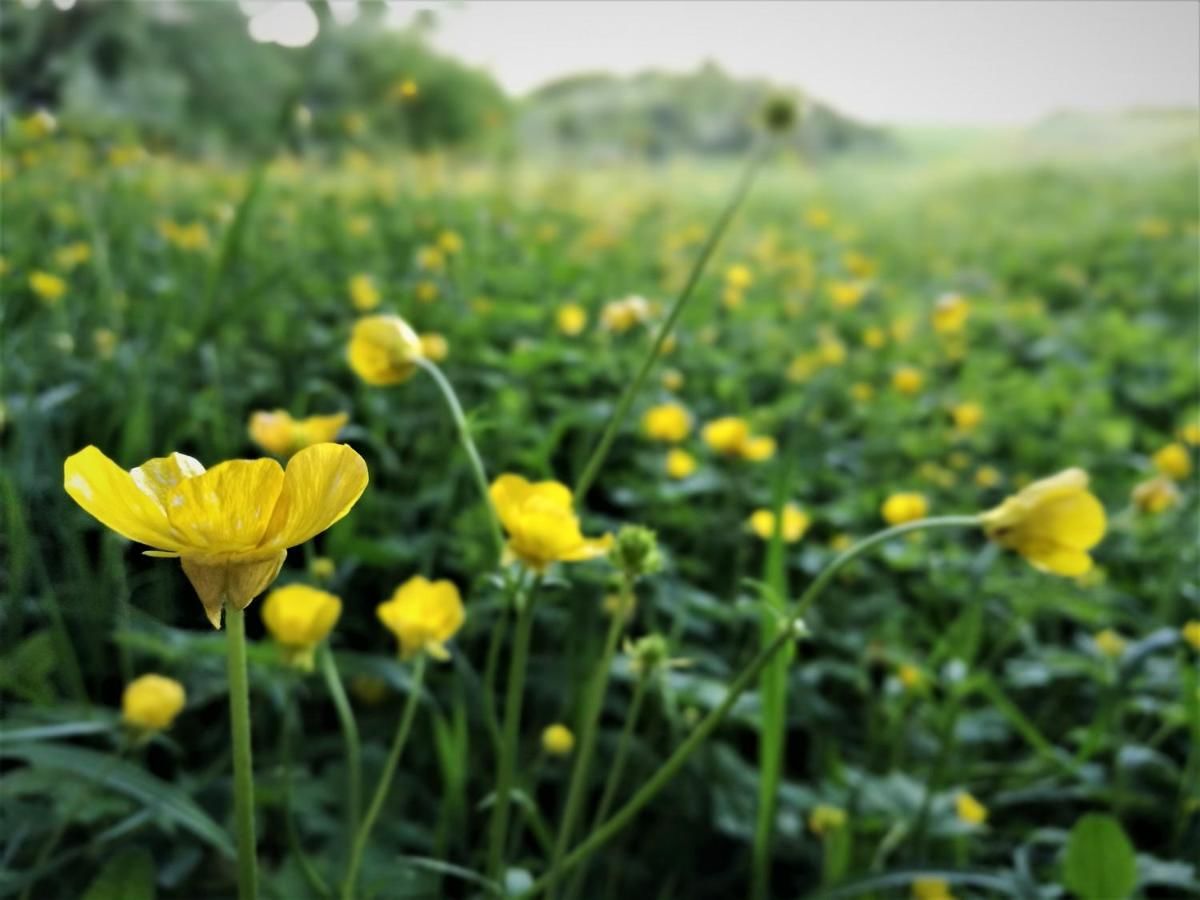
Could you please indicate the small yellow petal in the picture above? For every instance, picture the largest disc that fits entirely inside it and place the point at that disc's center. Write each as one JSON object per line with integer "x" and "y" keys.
{"x": 320, "y": 486}
{"x": 227, "y": 509}
{"x": 111, "y": 495}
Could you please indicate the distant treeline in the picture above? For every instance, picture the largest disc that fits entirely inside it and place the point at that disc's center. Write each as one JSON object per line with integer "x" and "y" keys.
{"x": 188, "y": 77}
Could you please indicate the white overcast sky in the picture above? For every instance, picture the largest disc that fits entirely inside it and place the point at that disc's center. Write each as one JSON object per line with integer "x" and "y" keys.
{"x": 933, "y": 61}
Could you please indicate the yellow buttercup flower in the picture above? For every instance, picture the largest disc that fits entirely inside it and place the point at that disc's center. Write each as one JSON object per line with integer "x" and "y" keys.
{"x": 571, "y": 319}
{"x": 680, "y": 463}
{"x": 931, "y": 889}
{"x": 967, "y": 416}
{"x": 730, "y": 436}
{"x": 1190, "y": 434}
{"x": 449, "y": 242}
{"x": 1155, "y": 495}
{"x": 846, "y": 294}
{"x": 859, "y": 264}
{"x": 541, "y": 523}
{"x": 557, "y": 740}
{"x": 817, "y": 217}
{"x": 862, "y": 392}
{"x": 987, "y": 476}
{"x": 668, "y": 422}
{"x": 739, "y": 277}
{"x": 434, "y": 346}
{"x": 423, "y": 615}
{"x": 619, "y": 316}
{"x": 826, "y": 818}
{"x": 1109, "y": 642}
{"x": 277, "y": 432}
{"x": 299, "y": 617}
{"x": 1052, "y": 523}
{"x": 904, "y": 507}
{"x": 1173, "y": 461}
{"x": 431, "y": 259}
{"x": 73, "y": 255}
{"x": 322, "y": 568}
{"x": 383, "y": 350}
{"x": 230, "y": 526}
{"x": 907, "y": 380}
{"x": 1191, "y": 633}
{"x": 364, "y": 295}
{"x": 795, "y": 523}
{"x": 950, "y": 314}
{"x": 969, "y": 809}
{"x": 151, "y": 702}
{"x": 874, "y": 337}
{"x": 193, "y": 236}
{"x": 49, "y": 288}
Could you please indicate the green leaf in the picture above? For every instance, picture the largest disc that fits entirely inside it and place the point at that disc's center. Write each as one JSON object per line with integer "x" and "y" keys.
{"x": 1100, "y": 863}
{"x": 127, "y": 876}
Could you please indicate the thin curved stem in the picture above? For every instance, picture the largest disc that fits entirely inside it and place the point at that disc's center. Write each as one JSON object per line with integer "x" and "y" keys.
{"x": 468, "y": 443}
{"x": 385, "y": 778}
{"x": 345, "y": 714}
{"x": 243, "y": 763}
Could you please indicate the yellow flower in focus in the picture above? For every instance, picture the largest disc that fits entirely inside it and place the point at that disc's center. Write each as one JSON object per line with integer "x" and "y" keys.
{"x": 795, "y": 523}
{"x": 364, "y": 295}
{"x": 299, "y": 617}
{"x": 846, "y": 294}
{"x": 541, "y": 523}
{"x": 383, "y": 350}
{"x": 230, "y": 526}
{"x": 668, "y": 422}
{"x": 1052, "y": 523}
{"x": 1173, "y": 461}
{"x": 950, "y": 314}
{"x": 434, "y": 346}
{"x": 557, "y": 740}
{"x": 278, "y": 433}
{"x": 1191, "y": 633}
{"x": 969, "y": 810}
{"x": 1155, "y": 495}
{"x": 826, "y": 818}
{"x": 967, "y": 416}
{"x": 571, "y": 319}
{"x": 680, "y": 464}
{"x": 426, "y": 291}
{"x": 931, "y": 889}
{"x": 73, "y": 255}
{"x": 907, "y": 380}
{"x": 1109, "y": 643}
{"x": 905, "y": 507}
{"x": 423, "y": 615}
{"x": 49, "y": 288}
{"x": 151, "y": 702}
{"x": 739, "y": 277}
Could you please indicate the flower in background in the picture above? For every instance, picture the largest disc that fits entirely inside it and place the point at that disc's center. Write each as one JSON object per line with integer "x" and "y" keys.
{"x": 910, "y": 676}
{"x": 434, "y": 346}
{"x": 1191, "y": 633}
{"x": 1052, "y": 523}
{"x": 449, "y": 242}
{"x": 540, "y": 520}
{"x": 364, "y": 295}
{"x": 571, "y": 319}
{"x": 987, "y": 476}
{"x": 1109, "y": 643}
{"x": 1190, "y": 434}
{"x": 739, "y": 277}
{"x": 383, "y": 350}
{"x": 967, "y": 417}
{"x": 908, "y": 380}
{"x": 969, "y": 810}
{"x": 672, "y": 379}
{"x": 557, "y": 740}
{"x": 72, "y": 255}
{"x": 874, "y": 337}
{"x": 667, "y": 422}
{"x": 38, "y": 124}
{"x": 193, "y": 236}
{"x": 322, "y": 568}
{"x": 846, "y": 294}
{"x": 826, "y": 818}
{"x": 904, "y": 507}
{"x": 680, "y": 464}
{"x": 404, "y": 90}
{"x": 619, "y": 316}
{"x": 817, "y": 217}
{"x": 278, "y": 433}
{"x": 425, "y": 291}
{"x": 423, "y": 615}
{"x": 950, "y": 314}
{"x": 730, "y": 436}
{"x": 1155, "y": 495}
{"x": 795, "y": 523}
{"x": 430, "y": 259}
{"x": 931, "y": 889}
{"x": 1173, "y": 461}
{"x": 48, "y": 288}
{"x": 230, "y": 526}
{"x": 299, "y": 617}
{"x": 151, "y": 702}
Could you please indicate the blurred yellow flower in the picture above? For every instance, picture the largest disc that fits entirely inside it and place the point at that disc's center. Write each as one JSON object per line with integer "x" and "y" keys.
{"x": 434, "y": 346}
{"x": 299, "y": 617}
{"x": 907, "y": 380}
{"x": 904, "y": 507}
{"x": 846, "y": 294}
{"x": 862, "y": 392}
{"x": 732, "y": 298}
{"x": 322, "y": 568}
{"x": 426, "y": 291}
{"x": 541, "y": 523}
{"x": 618, "y": 316}
{"x": 667, "y": 422}
{"x": 969, "y": 810}
{"x": 277, "y": 432}
{"x": 230, "y": 526}
{"x": 423, "y": 615}
{"x": 1153, "y": 227}
{"x": 967, "y": 416}
{"x": 826, "y": 818}
{"x": 739, "y": 277}
{"x": 383, "y": 350}
{"x": 1191, "y": 633}
{"x": 151, "y": 702}
{"x": 1155, "y": 495}
{"x": 874, "y": 337}
{"x": 430, "y": 259}
{"x": 987, "y": 476}
{"x": 1109, "y": 643}
{"x": 832, "y": 351}
{"x": 49, "y": 288}
{"x": 105, "y": 341}
{"x": 38, "y": 124}
{"x": 931, "y": 889}
{"x": 730, "y": 436}
{"x": 72, "y": 255}
{"x": 795, "y": 523}
{"x": 557, "y": 740}
{"x": 571, "y": 319}
{"x": 364, "y": 295}
{"x": 404, "y": 89}
{"x": 680, "y": 463}
{"x": 1190, "y": 434}
{"x": 1173, "y": 461}
{"x": 672, "y": 379}
{"x": 354, "y": 123}
{"x": 817, "y": 217}
{"x": 1052, "y": 523}
{"x": 950, "y": 314}
{"x": 910, "y": 676}
{"x": 193, "y": 236}
{"x": 449, "y": 242}
{"x": 859, "y": 264}
{"x": 358, "y": 226}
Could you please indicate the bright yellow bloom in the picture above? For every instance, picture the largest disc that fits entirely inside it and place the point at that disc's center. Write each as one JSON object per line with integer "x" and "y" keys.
{"x": 230, "y": 526}
{"x": 905, "y": 507}
{"x": 950, "y": 314}
{"x": 826, "y": 818}
{"x": 557, "y": 740}
{"x": 1191, "y": 633}
{"x": 969, "y": 809}
{"x": 795, "y": 523}
{"x": 434, "y": 346}
{"x": 680, "y": 463}
{"x": 967, "y": 416}
{"x": 618, "y": 316}
{"x": 668, "y": 422}
{"x": 832, "y": 351}
{"x": 1156, "y": 495}
{"x": 73, "y": 255}
{"x": 277, "y": 432}
{"x": 571, "y": 319}
{"x": 151, "y": 702}
{"x": 931, "y": 889}
{"x": 541, "y": 523}
{"x": 1052, "y": 523}
{"x": 907, "y": 380}
{"x": 1173, "y": 461}
{"x": 299, "y": 617}
{"x": 49, "y": 288}
{"x": 730, "y": 436}
{"x": 739, "y": 277}
{"x": 1109, "y": 642}
{"x": 449, "y": 242}
{"x": 423, "y": 615}
{"x": 364, "y": 295}
{"x": 383, "y": 350}
{"x": 846, "y": 294}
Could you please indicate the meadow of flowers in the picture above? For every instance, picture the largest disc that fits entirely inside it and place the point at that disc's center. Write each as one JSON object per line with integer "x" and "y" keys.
{"x": 403, "y": 527}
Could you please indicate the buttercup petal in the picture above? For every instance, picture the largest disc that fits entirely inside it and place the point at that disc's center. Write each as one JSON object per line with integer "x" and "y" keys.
{"x": 320, "y": 486}
{"x": 156, "y": 477}
{"x": 228, "y": 508}
{"x": 1056, "y": 559}
{"x": 110, "y": 494}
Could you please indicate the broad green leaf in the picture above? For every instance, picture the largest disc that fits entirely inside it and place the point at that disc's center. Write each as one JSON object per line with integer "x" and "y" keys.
{"x": 1099, "y": 863}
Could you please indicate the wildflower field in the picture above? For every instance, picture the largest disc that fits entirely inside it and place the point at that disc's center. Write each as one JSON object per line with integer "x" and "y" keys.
{"x": 702, "y": 531}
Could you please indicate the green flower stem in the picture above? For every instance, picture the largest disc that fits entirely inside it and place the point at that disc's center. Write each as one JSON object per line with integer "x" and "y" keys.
{"x": 345, "y": 714}
{"x": 243, "y": 764}
{"x": 385, "y": 778}
{"x": 468, "y": 443}
{"x": 593, "y": 702}
{"x": 600, "y": 836}
{"x": 592, "y": 469}
{"x": 506, "y": 765}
